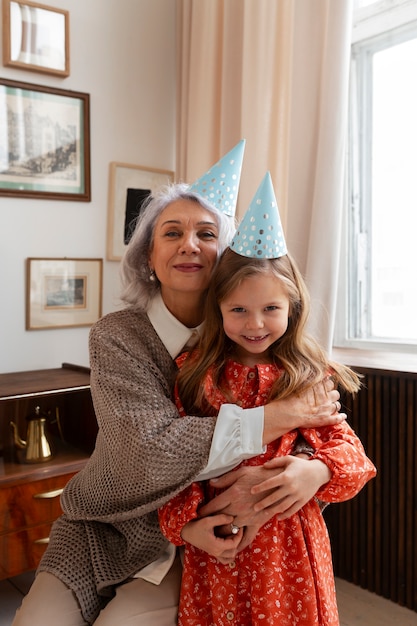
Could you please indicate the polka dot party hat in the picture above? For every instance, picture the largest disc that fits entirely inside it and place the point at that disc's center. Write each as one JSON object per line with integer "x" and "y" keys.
{"x": 220, "y": 184}
{"x": 259, "y": 234}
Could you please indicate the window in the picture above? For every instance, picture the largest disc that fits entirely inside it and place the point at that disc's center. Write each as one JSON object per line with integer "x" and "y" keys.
{"x": 378, "y": 307}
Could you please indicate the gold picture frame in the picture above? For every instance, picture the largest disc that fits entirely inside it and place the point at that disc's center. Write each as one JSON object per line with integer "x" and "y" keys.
{"x": 36, "y": 37}
{"x": 124, "y": 180}
{"x": 63, "y": 292}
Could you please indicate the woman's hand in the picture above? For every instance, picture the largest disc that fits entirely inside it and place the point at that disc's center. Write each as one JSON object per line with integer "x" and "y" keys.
{"x": 279, "y": 487}
{"x": 313, "y": 408}
{"x": 238, "y": 498}
{"x": 202, "y": 534}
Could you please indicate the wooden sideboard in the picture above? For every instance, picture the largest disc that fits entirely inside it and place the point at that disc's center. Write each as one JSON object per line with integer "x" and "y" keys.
{"x": 29, "y": 492}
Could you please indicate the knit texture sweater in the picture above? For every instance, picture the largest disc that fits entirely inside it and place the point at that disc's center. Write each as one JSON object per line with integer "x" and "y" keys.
{"x": 144, "y": 455}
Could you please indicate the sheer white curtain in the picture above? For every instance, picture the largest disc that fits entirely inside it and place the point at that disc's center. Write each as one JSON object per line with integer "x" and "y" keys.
{"x": 276, "y": 73}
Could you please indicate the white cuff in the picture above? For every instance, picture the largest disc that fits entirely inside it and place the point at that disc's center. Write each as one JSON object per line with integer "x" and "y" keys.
{"x": 237, "y": 436}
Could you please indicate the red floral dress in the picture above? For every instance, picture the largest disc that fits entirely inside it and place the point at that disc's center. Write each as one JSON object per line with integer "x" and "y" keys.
{"x": 285, "y": 577}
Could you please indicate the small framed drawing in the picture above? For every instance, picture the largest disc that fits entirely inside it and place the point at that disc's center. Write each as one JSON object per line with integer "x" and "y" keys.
{"x": 44, "y": 142}
{"x": 62, "y": 293}
{"x": 129, "y": 187}
{"x": 36, "y": 37}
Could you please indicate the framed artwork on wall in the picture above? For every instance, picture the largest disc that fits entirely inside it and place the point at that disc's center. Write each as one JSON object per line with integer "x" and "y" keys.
{"x": 62, "y": 293}
{"x": 36, "y": 37}
{"x": 44, "y": 142}
{"x": 129, "y": 187}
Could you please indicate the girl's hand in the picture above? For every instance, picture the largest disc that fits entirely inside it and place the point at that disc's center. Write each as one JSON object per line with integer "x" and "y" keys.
{"x": 202, "y": 534}
{"x": 288, "y": 491}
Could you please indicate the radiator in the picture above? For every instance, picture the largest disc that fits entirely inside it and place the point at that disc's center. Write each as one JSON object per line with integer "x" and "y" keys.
{"x": 374, "y": 535}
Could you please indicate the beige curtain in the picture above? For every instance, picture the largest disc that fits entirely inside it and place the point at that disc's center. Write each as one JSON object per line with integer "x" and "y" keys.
{"x": 276, "y": 73}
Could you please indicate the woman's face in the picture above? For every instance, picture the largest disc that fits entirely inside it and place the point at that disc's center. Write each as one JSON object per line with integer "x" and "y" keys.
{"x": 184, "y": 249}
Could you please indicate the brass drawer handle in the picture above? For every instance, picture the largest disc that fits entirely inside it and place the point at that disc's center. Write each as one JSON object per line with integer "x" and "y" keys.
{"x": 49, "y": 494}
{"x": 42, "y": 541}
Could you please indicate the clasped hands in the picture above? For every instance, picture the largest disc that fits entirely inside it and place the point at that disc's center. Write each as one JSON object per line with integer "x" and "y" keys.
{"x": 252, "y": 495}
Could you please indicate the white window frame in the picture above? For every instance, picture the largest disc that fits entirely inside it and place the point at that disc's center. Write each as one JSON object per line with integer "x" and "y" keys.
{"x": 371, "y": 22}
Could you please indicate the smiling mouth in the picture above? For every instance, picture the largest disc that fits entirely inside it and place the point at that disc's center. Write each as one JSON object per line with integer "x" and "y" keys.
{"x": 188, "y": 267}
{"x": 255, "y": 339}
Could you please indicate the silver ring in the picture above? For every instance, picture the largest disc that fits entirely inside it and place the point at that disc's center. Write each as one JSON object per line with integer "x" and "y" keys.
{"x": 336, "y": 407}
{"x": 234, "y": 529}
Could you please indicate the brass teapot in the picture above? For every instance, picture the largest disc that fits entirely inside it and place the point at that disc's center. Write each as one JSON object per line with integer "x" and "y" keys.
{"x": 36, "y": 445}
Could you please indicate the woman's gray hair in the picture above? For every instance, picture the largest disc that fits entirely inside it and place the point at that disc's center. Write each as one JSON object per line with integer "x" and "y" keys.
{"x": 139, "y": 286}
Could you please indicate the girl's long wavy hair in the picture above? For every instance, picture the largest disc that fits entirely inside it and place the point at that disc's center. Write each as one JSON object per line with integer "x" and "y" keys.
{"x": 139, "y": 286}
{"x": 303, "y": 362}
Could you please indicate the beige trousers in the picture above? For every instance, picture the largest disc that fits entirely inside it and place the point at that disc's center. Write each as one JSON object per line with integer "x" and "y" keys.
{"x": 137, "y": 602}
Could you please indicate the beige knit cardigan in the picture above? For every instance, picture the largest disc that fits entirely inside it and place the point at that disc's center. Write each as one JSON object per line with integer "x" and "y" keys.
{"x": 144, "y": 455}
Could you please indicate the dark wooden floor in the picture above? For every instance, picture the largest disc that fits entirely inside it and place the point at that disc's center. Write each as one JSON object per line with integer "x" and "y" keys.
{"x": 357, "y": 607}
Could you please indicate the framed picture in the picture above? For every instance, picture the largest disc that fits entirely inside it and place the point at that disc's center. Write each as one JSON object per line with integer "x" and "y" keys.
{"x": 61, "y": 293}
{"x": 44, "y": 142}
{"x": 129, "y": 187}
{"x": 36, "y": 37}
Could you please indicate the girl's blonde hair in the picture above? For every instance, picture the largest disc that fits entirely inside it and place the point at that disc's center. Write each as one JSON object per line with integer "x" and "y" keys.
{"x": 303, "y": 362}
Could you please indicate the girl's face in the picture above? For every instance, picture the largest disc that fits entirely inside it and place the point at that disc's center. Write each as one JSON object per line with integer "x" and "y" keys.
{"x": 255, "y": 315}
{"x": 184, "y": 249}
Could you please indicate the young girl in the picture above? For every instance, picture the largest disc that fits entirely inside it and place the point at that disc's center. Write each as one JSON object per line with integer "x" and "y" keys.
{"x": 254, "y": 347}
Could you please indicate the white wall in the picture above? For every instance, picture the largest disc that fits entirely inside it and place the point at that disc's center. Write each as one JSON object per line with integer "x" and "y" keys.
{"x": 123, "y": 55}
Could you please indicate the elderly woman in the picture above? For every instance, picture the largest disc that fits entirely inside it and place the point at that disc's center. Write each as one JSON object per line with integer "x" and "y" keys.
{"x": 107, "y": 562}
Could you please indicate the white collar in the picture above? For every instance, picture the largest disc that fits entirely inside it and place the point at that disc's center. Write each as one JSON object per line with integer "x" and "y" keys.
{"x": 174, "y": 335}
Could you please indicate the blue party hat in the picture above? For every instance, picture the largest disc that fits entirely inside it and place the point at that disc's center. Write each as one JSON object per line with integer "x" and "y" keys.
{"x": 259, "y": 234}
{"x": 220, "y": 184}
